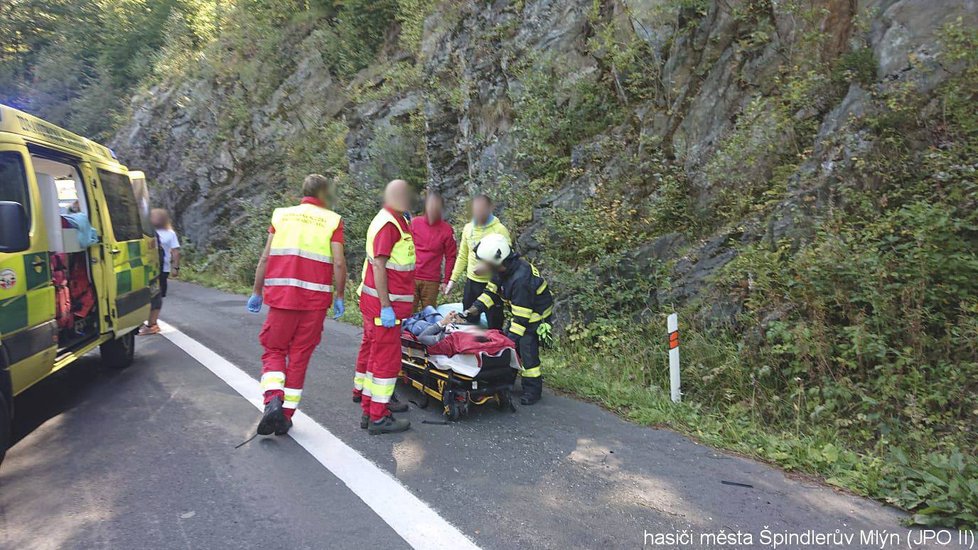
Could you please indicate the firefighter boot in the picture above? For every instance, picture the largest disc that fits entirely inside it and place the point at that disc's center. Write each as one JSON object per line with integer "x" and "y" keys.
{"x": 388, "y": 425}
{"x": 274, "y": 418}
{"x": 532, "y": 390}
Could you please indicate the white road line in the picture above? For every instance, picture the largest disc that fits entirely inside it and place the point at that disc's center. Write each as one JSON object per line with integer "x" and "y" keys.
{"x": 408, "y": 515}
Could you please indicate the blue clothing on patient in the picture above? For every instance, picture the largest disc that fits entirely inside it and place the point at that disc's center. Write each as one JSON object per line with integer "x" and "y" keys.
{"x": 417, "y": 323}
{"x": 87, "y": 236}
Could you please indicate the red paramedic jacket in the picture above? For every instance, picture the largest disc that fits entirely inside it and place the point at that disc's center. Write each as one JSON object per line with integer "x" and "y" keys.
{"x": 287, "y": 297}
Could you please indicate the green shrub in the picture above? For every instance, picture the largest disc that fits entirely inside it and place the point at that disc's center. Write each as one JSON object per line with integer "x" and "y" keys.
{"x": 555, "y": 111}
{"x": 411, "y": 14}
{"x": 359, "y": 30}
{"x": 942, "y": 488}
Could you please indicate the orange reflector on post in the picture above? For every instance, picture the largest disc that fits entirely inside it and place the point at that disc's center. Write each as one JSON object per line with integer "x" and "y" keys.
{"x": 674, "y": 340}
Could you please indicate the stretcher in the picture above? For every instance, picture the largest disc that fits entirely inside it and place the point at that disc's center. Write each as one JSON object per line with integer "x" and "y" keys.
{"x": 460, "y": 381}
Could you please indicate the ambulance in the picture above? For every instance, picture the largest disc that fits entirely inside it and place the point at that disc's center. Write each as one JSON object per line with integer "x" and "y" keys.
{"x": 78, "y": 257}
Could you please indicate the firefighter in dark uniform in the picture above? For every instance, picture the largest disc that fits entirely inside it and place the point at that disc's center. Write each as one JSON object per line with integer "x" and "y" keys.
{"x": 516, "y": 283}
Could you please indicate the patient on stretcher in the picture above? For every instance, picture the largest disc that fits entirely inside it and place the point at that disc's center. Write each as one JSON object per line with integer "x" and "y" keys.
{"x": 452, "y": 334}
{"x": 436, "y": 332}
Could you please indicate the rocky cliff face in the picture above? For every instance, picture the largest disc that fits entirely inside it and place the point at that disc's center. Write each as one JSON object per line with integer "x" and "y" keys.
{"x": 718, "y": 111}
{"x": 795, "y": 178}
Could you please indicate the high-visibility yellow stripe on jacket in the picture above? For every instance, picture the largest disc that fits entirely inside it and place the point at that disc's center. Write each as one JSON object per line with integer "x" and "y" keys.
{"x": 400, "y": 267}
{"x": 525, "y": 292}
{"x": 299, "y": 274}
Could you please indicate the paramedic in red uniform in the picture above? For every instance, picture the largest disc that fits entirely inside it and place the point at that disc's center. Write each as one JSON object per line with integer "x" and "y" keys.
{"x": 386, "y": 297}
{"x": 298, "y": 274}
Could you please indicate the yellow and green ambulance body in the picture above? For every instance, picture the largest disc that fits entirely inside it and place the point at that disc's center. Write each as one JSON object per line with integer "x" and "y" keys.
{"x": 78, "y": 258}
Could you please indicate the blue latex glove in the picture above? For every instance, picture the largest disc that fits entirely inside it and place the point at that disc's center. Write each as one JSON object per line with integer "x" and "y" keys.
{"x": 387, "y": 317}
{"x": 338, "y": 308}
{"x": 254, "y": 303}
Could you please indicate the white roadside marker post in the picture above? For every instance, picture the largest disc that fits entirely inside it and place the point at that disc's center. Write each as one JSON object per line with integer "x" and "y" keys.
{"x": 672, "y": 325}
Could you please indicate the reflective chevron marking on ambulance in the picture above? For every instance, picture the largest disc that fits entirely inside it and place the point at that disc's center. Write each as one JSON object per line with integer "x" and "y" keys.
{"x": 130, "y": 273}
{"x": 19, "y": 307}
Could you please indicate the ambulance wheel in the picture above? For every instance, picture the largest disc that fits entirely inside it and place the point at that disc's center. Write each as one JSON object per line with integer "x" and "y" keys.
{"x": 6, "y": 425}
{"x": 119, "y": 353}
{"x": 6, "y": 405}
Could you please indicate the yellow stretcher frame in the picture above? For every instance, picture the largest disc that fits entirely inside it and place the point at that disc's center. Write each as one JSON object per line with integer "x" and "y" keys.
{"x": 414, "y": 356}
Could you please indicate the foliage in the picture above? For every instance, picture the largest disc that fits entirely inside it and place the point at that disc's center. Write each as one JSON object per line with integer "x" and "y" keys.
{"x": 941, "y": 487}
{"x": 397, "y": 152}
{"x": 632, "y": 68}
{"x": 74, "y": 62}
{"x": 397, "y": 79}
{"x": 411, "y": 14}
{"x": 357, "y": 33}
{"x": 554, "y": 112}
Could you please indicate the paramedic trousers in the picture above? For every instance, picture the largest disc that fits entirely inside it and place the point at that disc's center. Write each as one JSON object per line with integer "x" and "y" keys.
{"x": 528, "y": 348}
{"x": 378, "y": 365}
{"x": 289, "y": 337}
{"x": 471, "y": 293}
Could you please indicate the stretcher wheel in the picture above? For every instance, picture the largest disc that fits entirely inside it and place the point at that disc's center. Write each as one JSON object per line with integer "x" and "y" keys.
{"x": 504, "y": 400}
{"x": 452, "y": 410}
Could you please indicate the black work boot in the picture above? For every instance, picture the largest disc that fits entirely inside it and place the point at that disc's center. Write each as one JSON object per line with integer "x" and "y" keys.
{"x": 274, "y": 418}
{"x": 284, "y": 429}
{"x": 388, "y": 425}
{"x": 395, "y": 405}
{"x": 364, "y": 421}
{"x": 532, "y": 390}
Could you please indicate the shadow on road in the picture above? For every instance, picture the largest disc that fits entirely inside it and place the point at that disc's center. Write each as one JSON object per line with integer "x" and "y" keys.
{"x": 58, "y": 394}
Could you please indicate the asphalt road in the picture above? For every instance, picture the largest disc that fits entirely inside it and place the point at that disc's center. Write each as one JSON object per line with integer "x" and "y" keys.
{"x": 145, "y": 458}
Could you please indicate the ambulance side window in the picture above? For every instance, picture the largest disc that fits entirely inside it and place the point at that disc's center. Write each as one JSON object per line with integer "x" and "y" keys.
{"x": 123, "y": 208}
{"x": 141, "y": 192}
{"x": 13, "y": 180}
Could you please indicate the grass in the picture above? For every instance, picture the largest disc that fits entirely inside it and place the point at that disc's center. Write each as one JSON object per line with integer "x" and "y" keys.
{"x": 210, "y": 279}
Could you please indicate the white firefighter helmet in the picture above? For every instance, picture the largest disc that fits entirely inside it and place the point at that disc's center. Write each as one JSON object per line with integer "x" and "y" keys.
{"x": 493, "y": 249}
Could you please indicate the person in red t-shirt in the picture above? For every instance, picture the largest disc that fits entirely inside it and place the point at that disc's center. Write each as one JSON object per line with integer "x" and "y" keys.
{"x": 434, "y": 241}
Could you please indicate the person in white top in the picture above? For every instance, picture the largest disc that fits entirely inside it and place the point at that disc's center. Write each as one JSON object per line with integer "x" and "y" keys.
{"x": 169, "y": 245}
